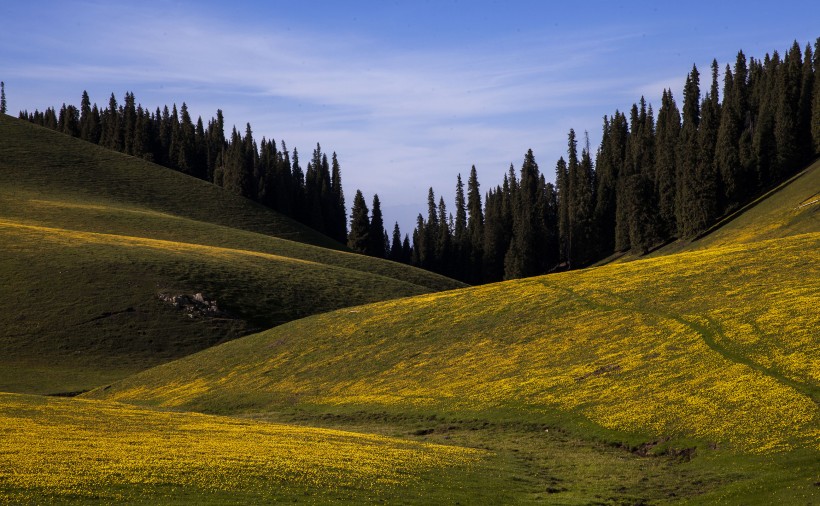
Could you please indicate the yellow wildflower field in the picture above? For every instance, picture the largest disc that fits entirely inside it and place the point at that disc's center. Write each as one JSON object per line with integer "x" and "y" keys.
{"x": 58, "y": 449}
{"x": 719, "y": 344}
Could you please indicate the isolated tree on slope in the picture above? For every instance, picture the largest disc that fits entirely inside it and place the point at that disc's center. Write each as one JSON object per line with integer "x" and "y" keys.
{"x": 2, "y": 97}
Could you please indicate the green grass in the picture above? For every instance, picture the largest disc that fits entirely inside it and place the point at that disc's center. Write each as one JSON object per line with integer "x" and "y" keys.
{"x": 690, "y": 377}
{"x": 708, "y": 354}
{"x": 90, "y": 237}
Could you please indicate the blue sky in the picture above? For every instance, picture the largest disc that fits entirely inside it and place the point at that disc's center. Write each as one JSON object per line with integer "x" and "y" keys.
{"x": 409, "y": 94}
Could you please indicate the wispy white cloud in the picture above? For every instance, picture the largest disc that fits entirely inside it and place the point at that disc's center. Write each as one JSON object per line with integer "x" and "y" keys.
{"x": 401, "y": 119}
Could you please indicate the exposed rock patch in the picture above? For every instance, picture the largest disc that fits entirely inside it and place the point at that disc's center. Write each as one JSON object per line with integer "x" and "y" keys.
{"x": 197, "y": 305}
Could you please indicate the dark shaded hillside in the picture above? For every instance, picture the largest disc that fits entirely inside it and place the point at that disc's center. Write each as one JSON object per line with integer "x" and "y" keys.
{"x": 91, "y": 240}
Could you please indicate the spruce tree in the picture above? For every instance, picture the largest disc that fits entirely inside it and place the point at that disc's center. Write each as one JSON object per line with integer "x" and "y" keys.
{"x": 298, "y": 188}
{"x": 605, "y": 193}
{"x": 444, "y": 240}
{"x": 406, "y": 250}
{"x": 475, "y": 227}
{"x": 376, "y": 235}
{"x": 815, "y": 105}
{"x": 804, "y": 138}
{"x": 687, "y": 186}
{"x": 185, "y": 142}
{"x": 727, "y": 150}
{"x": 766, "y": 96}
{"x": 562, "y": 182}
{"x": 582, "y": 213}
{"x": 430, "y": 233}
{"x": 703, "y": 199}
{"x": 666, "y": 162}
{"x": 460, "y": 224}
{"x": 2, "y": 97}
{"x": 85, "y": 117}
{"x": 339, "y": 226}
{"x": 787, "y": 90}
{"x": 358, "y": 239}
{"x": 396, "y": 245}
{"x": 494, "y": 245}
{"x": 129, "y": 123}
{"x": 313, "y": 190}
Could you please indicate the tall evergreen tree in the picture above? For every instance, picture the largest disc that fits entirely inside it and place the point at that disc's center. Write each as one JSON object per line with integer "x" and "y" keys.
{"x": 686, "y": 212}
{"x": 376, "y": 235}
{"x": 2, "y": 97}
{"x": 358, "y": 239}
{"x": 339, "y": 222}
{"x": 804, "y": 138}
{"x": 460, "y": 224}
{"x": 396, "y": 245}
{"x": 186, "y": 147}
{"x": 406, "y": 250}
{"x": 788, "y": 77}
{"x": 582, "y": 224}
{"x": 562, "y": 182}
{"x": 815, "y": 105}
{"x": 727, "y": 149}
{"x": 475, "y": 227}
{"x": 666, "y": 163}
{"x": 85, "y": 117}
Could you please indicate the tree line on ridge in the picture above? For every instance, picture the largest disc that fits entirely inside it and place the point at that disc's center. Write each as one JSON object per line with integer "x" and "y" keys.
{"x": 654, "y": 178}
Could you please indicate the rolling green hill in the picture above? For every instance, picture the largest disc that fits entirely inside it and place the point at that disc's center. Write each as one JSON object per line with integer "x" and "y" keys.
{"x": 90, "y": 239}
{"x": 705, "y": 359}
{"x": 689, "y": 377}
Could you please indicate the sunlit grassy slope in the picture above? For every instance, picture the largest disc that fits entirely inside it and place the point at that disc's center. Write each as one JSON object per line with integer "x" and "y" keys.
{"x": 717, "y": 347}
{"x": 57, "y": 450}
{"x": 90, "y": 237}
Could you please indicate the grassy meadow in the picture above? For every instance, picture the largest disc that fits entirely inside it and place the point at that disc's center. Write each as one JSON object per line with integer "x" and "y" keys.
{"x": 707, "y": 357}
{"x": 689, "y": 377}
{"x": 67, "y": 450}
{"x": 89, "y": 238}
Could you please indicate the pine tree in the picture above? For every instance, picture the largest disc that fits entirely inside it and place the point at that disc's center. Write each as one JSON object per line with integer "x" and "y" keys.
{"x": 804, "y": 139}
{"x": 2, "y": 97}
{"x": 727, "y": 150}
{"x": 815, "y": 105}
{"x": 686, "y": 211}
{"x": 766, "y": 97}
{"x": 704, "y": 195}
{"x": 85, "y": 117}
{"x": 444, "y": 240}
{"x": 111, "y": 137}
{"x": 460, "y": 224}
{"x": 606, "y": 176}
{"x": 582, "y": 213}
{"x": 339, "y": 221}
{"x": 376, "y": 236}
{"x": 314, "y": 181}
{"x": 186, "y": 148}
{"x": 298, "y": 198}
{"x": 358, "y": 239}
{"x": 129, "y": 123}
{"x": 494, "y": 245}
{"x": 787, "y": 89}
{"x": 562, "y": 182}
{"x": 406, "y": 250}
{"x": 475, "y": 227}
{"x": 666, "y": 162}
{"x": 396, "y": 245}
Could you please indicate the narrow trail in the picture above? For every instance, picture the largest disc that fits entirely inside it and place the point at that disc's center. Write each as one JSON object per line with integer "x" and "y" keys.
{"x": 711, "y": 333}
